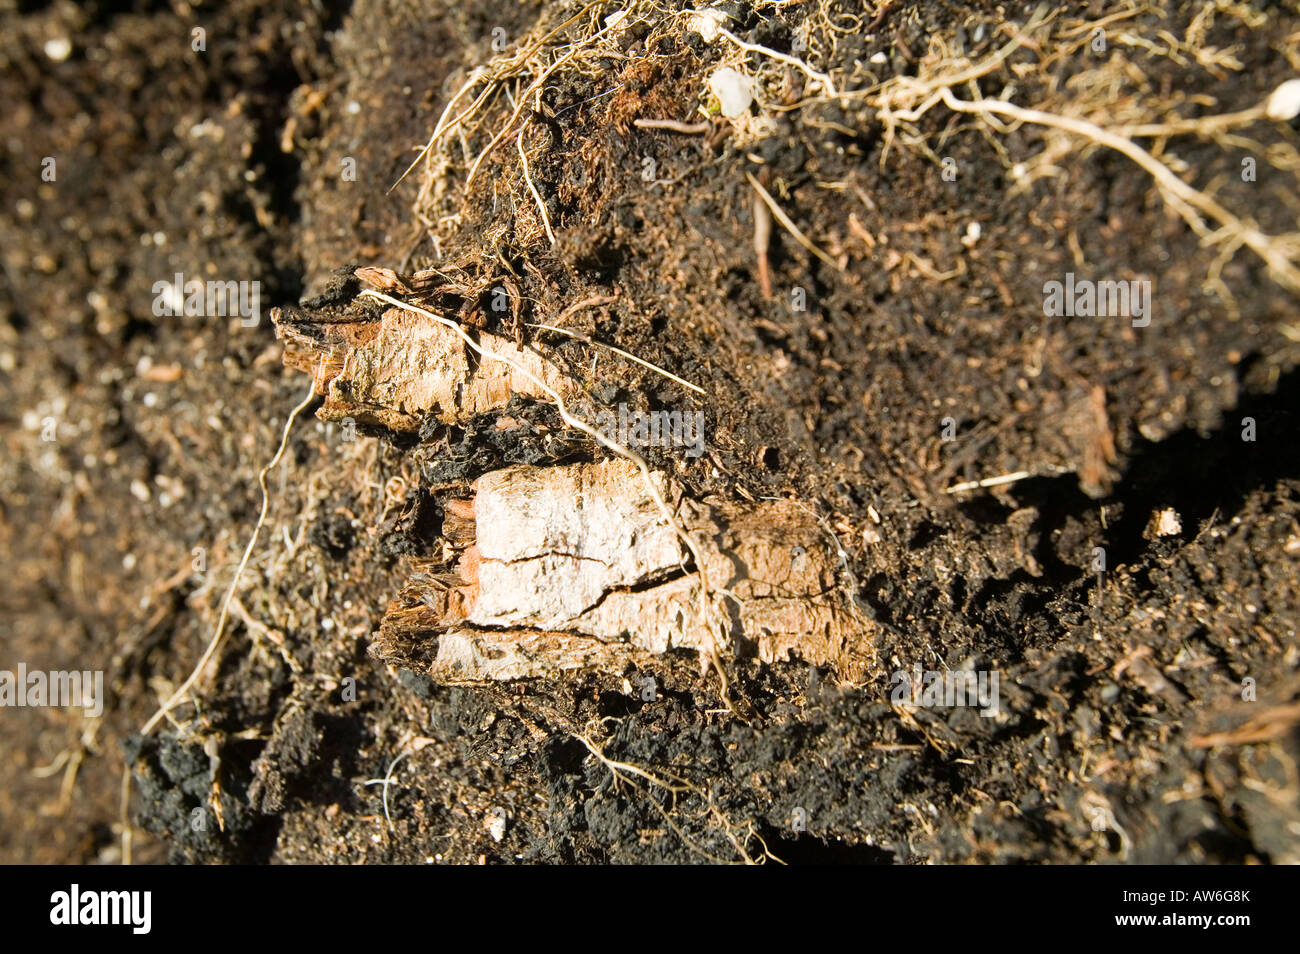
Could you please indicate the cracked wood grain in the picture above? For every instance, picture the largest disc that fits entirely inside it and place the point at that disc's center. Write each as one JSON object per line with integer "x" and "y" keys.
{"x": 573, "y": 566}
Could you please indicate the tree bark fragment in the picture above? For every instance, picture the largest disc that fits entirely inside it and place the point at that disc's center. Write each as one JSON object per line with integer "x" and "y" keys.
{"x": 576, "y": 566}
{"x": 398, "y": 368}
{"x": 565, "y": 567}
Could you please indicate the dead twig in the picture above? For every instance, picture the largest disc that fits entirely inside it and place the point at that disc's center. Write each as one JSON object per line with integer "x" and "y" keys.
{"x": 762, "y": 238}
{"x": 578, "y": 336}
{"x": 989, "y": 482}
{"x": 789, "y": 226}
{"x": 687, "y": 129}
{"x": 1270, "y": 724}
{"x": 541, "y": 206}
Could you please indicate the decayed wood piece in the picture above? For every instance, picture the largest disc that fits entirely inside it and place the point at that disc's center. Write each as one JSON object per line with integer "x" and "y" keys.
{"x": 565, "y": 567}
{"x": 397, "y": 368}
{"x": 576, "y": 566}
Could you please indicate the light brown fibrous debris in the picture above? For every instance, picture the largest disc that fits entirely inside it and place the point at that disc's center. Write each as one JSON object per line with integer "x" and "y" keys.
{"x": 575, "y": 567}
{"x": 384, "y": 279}
{"x": 398, "y": 368}
{"x": 546, "y": 569}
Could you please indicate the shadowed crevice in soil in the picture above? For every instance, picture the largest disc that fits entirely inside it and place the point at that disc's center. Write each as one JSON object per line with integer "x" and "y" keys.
{"x": 814, "y": 851}
{"x": 1201, "y": 474}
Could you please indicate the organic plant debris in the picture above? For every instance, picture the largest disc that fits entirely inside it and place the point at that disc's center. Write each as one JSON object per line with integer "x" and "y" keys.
{"x": 650, "y": 431}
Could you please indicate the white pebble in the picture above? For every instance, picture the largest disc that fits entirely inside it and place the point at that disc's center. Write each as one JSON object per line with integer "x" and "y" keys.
{"x": 58, "y": 49}
{"x": 706, "y": 23}
{"x": 1167, "y": 523}
{"x": 735, "y": 91}
{"x": 1284, "y": 104}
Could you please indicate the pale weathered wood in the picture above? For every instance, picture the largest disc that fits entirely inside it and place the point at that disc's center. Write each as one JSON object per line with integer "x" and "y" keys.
{"x": 564, "y": 567}
{"x": 401, "y": 367}
{"x": 575, "y": 566}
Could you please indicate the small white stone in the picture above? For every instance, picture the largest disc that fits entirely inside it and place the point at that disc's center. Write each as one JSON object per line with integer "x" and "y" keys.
{"x": 1167, "y": 523}
{"x": 706, "y": 23}
{"x": 734, "y": 90}
{"x": 879, "y": 58}
{"x": 1284, "y": 104}
{"x": 58, "y": 49}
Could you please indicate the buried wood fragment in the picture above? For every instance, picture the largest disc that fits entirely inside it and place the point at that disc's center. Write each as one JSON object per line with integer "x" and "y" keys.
{"x": 555, "y": 568}
{"x": 575, "y": 567}
{"x": 396, "y": 367}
